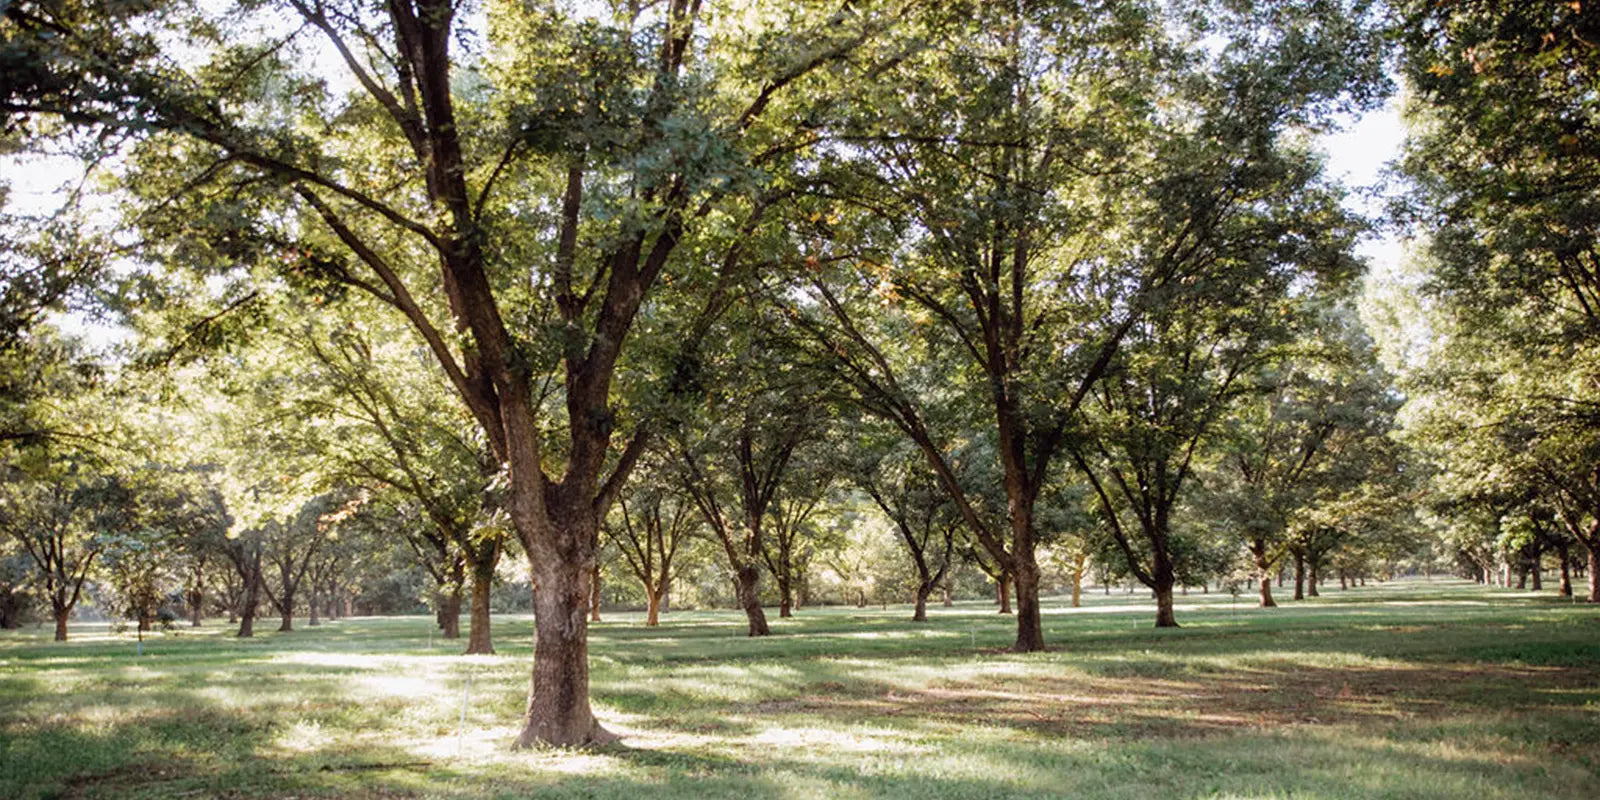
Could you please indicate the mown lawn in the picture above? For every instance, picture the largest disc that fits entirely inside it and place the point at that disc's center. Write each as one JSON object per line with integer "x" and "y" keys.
{"x": 1414, "y": 689}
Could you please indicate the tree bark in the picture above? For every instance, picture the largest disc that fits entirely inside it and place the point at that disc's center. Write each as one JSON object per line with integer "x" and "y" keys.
{"x": 197, "y": 612}
{"x": 785, "y": 598}
{"x": 1030, "y": 628}
{"x": 1565, "y": 555}
{"x": 287, "y": 625}
{"x": 1002, "y": 590}
{"x": 594, "y": 594}
{"x": 1537, "y": 568}
{"x": 919, "y": 612}
{"x": 652, "y": 616}
{"x": 1164, "y": 580}
{"x": 1258, "y": 549}
{"x": 558, "y": 702}
{"x": 252, "y": 601}
{"x": 450, "y": 613}
{"x": 312, "y": 618}
{"x": 1594, "y": 574}
{"x": 1313, "y": 577}
{"x": 479, "y": 639}
{"x": 61, "y": 615}
{"x": 1299, "y": 575}
{"x": 750, "y": 599}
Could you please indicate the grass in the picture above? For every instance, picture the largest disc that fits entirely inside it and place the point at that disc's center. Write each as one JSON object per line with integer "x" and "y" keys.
{"x": 1413, "y": 689}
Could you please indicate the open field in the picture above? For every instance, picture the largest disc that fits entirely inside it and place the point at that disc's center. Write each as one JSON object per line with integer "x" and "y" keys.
{"x": 1416, "y": 689}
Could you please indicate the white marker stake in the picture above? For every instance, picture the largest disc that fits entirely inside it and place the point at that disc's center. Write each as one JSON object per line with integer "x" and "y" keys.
{"x": 461, "y": 725}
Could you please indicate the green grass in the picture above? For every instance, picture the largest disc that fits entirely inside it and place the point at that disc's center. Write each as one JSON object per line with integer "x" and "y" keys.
{"x": 1414, "y": 690}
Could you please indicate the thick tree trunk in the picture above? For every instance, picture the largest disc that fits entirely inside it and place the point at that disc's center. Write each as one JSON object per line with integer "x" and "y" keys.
{"x": 594, "y": 594}
{"x": 479, "y": 639}
{"x": 1030, "y": 627}
{"x": 312, "y": 618}
{"x": 1566, "y": 570}
{"x": 1258, "y": 549}
{"x": 1594, "y": 574}
{"x": 450, "y": 613}
{"x": 288, "y": 613}
{"x": 197, "y": 611}
{"x": 919, "y": 611}
{"x": 247, "y": 615}
{"x": 61, "y": 615}
{"x": 1164, "y": 579}
{"x": 652, "y": 615}
{"x": 1002, "y": 593}
{"x": 1313, "y": 577}
{"x": 785, "y": 598}
{"x": 558, "y": 704}
{"x": 750, "y": 600}
{"x": 1537, "y": 569}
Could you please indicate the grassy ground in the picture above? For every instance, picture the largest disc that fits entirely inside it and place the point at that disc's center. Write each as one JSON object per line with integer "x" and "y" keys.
{"x": 1420, "y": 689}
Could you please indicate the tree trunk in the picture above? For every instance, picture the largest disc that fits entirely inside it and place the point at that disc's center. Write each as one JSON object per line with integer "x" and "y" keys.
{"x": 288, "y": 612}
{"x": 247, "y": 615}
{"x": 919, "y": 612}
{"x": 450, "y": 613}
{"x": 785, "y": 598}
{"x": 1002, "y": 591}
{"x": 1566, "y": 570}
{"x": 750, "y": 600}
{"x": 1164, "y": 580}
{"x": 1313, "y": 576}
{"x": 594, "y": 594}
{"x": 652, "y": 616}
{"x": 311, "y": 614}
{"x": 196, "y": 607}
{"x": 558, "y": 702}
{"x": 1594, "y": 574}
{"x": 1299, "y": 575}
{"x": 479, "y": 640}
{"x": 61, "y": 615}
{"x": 1030, "y": 628}
{"x": 948, "y": 600}
{"x": 1258, "y": 549}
